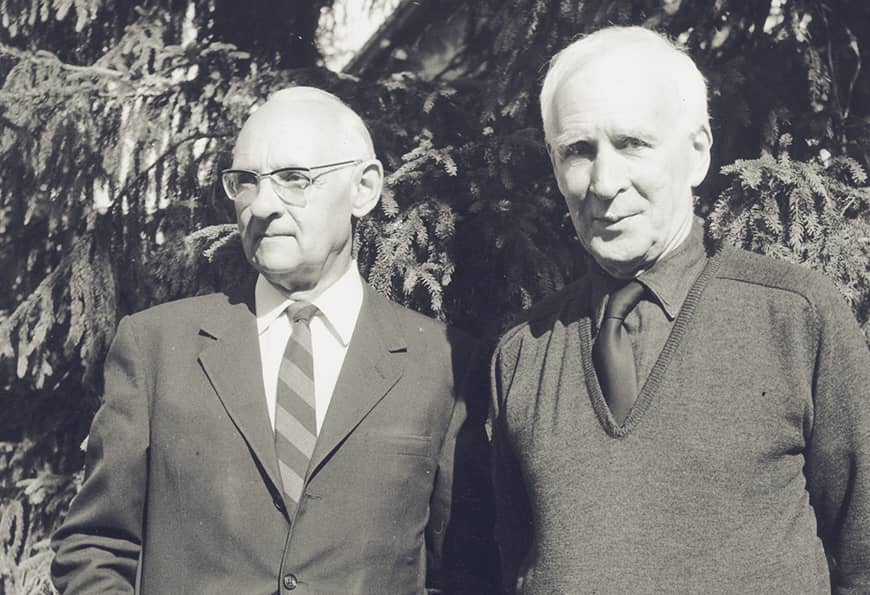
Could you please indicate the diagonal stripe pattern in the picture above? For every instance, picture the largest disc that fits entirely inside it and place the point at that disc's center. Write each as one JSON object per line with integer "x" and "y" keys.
{"x": 295, "y": 423}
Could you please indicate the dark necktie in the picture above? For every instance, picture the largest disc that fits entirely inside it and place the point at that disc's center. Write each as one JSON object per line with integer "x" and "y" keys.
{"x": 613, "y": 355}
{"x": 295, "y": 422}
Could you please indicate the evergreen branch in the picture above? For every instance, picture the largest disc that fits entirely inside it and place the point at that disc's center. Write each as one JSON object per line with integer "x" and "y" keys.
{"x": 125, "y": 189}
{"x": 30, "y": 305}
{"x": 48, "y": 58}
{"x": 830, "y": 57}
{"x": 853, "y": 44}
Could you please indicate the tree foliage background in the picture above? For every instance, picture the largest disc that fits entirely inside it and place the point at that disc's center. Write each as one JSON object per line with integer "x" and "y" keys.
{"x": 115, "y": 118}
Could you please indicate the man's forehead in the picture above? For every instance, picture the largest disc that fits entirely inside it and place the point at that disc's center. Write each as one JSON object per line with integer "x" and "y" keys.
{"x": 622, "y": 69}
{"x": 632, "y": 99}
{"x": 296, "y": 112}
{"x": 299, "y": 130}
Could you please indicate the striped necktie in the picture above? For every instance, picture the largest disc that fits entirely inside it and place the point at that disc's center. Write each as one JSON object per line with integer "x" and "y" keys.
{"x": 613, "y": 354}
{"x": 295, "y": 422}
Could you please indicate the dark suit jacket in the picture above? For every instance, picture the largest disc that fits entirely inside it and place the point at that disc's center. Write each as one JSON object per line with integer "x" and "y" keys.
{"x": 181, "y": 470}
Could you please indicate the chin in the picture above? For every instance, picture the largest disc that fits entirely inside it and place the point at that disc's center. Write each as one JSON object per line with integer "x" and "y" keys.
{"x": 615, "y": 251}
{"x": 290, "y": 280}
{"x": 280, "y": 257}
{"x": 276, "y": 267}
{"x": 619, "y": 263}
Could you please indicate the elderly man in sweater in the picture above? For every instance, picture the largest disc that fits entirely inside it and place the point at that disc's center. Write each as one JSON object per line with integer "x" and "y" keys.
{"x": 675, "y": 421}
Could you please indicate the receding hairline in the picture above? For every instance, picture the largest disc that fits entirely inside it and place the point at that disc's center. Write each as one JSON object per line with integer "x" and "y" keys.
{"x": 291, "y": 96}
{"x": 619, "y": 43}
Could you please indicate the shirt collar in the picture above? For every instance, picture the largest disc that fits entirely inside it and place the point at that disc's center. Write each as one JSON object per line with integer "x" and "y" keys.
{"x": 338, "y": 306}
{"x": 668, "y": 280}
{"x": 671, "y": 278}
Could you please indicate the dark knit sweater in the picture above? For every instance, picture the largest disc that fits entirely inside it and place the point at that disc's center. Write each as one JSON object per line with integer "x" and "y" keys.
{"x": 745, "y": 460}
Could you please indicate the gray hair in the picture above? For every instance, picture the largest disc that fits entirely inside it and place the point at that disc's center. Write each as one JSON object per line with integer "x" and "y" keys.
{"x": 689, "y": 84}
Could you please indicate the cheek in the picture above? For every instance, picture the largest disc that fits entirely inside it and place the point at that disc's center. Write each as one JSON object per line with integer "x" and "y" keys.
{"x": 650, "y": 178}
{"x": 242, "y": 220}
{"x": 325, "y": 230}
{"x": 573, "y": 182}
{"x": 664, "y": 176}
{"x": 241, "y": 217}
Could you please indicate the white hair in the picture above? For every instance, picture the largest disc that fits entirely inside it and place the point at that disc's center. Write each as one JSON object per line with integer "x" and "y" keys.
{"x": 677, "y": 67}
{"x": 313, "y": 94}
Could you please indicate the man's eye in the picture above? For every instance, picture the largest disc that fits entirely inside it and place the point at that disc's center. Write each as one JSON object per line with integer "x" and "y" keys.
{"x": 291, "y": 178}
{"x": 244, "y": 180}
{"x": 630, "y": 142}
{"x": 581, "y": 149}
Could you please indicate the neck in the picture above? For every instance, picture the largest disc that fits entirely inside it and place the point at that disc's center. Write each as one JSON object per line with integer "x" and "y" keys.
{"x": 309, "y": 283}
{"x": 630, "y": 270}
{"x": 682, "y": 232}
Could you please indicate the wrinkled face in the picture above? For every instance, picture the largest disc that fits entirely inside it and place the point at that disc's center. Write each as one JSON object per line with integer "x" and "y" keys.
{"x": 625, "y": 161}
{"x": 297, "y": 247}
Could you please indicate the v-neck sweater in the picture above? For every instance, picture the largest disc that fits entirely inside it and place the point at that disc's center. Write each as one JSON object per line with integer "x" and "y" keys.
{"x": 666, "y": 284}
{"x": 744, "y": 462}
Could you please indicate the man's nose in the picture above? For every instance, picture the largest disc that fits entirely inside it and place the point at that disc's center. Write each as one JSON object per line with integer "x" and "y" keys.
{"x": 266, "y": 203}
{"x": 608, "y": 176}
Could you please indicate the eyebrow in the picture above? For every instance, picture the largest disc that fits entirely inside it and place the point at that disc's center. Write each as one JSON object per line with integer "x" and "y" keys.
{"x": 571, "y": 137}
{"x": 272, "y": 166}
{"x": 646, "y": 134}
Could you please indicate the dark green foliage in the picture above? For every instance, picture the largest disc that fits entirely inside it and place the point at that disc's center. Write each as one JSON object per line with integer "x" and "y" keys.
{"x": 115, "y": 119}
{"x": 810, "y": 212}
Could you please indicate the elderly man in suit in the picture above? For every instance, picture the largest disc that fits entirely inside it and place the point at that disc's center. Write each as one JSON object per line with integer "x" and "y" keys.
{"x": 674, "y": 421}
{"x": 305, "y": 435}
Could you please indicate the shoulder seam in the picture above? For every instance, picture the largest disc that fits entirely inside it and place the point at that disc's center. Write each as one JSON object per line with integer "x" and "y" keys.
{"x": 769, "y": 286}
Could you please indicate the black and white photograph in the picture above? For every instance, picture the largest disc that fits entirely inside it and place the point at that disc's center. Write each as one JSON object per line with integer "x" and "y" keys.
{"x": 430, "y": 297}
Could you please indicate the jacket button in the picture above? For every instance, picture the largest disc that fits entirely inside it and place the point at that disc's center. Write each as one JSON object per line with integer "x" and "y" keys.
{"x": 290, "y": 582}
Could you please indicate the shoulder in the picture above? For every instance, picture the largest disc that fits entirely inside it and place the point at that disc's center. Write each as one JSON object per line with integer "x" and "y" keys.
{"x": 183, "y": 310}
{"x": 794, "y": 295}
{"x": 542, "y": 316}
{"x": 184, "y": 317}
{"x": 778, "y": 276}
{"x": 415, "y": 322}
{"x": 419, "y": 330}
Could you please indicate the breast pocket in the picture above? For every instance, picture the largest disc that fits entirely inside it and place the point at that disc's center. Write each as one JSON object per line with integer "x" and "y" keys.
{"x": 398, "y": 444}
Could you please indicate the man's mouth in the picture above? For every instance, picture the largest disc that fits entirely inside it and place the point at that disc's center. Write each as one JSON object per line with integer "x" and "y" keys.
{"x": 266, "y": 235}
{"x": 612, "y": 218}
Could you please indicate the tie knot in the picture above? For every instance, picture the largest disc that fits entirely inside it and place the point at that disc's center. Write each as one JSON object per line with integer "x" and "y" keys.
{"x": 623, "y": 300}
{"x": 303, "y": 311}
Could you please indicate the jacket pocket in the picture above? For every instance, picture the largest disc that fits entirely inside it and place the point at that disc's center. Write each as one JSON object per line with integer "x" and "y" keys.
{"x": 398, "y": 444}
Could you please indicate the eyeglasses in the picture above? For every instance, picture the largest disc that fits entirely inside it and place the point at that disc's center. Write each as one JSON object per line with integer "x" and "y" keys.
{"x": 289, "y": 183}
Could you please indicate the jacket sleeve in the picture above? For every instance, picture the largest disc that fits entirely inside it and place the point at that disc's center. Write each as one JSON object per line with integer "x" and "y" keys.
{"x": 838, "y": 451}
{"x": 97, "y": 546}
{"x": 513, "y": 523}
{"x": 461, "y": 551}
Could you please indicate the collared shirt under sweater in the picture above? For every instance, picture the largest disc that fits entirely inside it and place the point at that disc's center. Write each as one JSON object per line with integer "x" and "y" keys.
{"x": 743, "y": 467}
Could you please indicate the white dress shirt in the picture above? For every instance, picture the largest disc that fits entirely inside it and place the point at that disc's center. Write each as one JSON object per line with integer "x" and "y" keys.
{"x": 331, "y": 330}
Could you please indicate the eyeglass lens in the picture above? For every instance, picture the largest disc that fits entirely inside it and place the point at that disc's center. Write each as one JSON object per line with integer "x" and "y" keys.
{"x": 289, "y": 185}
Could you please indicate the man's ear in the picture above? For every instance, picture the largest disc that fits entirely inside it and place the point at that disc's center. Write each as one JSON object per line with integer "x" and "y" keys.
{"x": 368, "y": 188}
{"x": 701, "y": 141}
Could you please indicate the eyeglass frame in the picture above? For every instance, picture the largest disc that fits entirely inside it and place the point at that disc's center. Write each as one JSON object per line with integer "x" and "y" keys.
{"x": 304, "y": 170}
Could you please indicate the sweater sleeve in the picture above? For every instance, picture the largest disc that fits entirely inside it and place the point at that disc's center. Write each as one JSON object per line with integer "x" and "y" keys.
{"x": 838, "y": 451}
{"x": 513, "y": 524}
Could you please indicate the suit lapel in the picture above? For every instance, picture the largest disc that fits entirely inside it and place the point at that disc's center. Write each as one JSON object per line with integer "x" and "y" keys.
{"x": 232, "y": 364}
{"x": 373, "y": 364}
